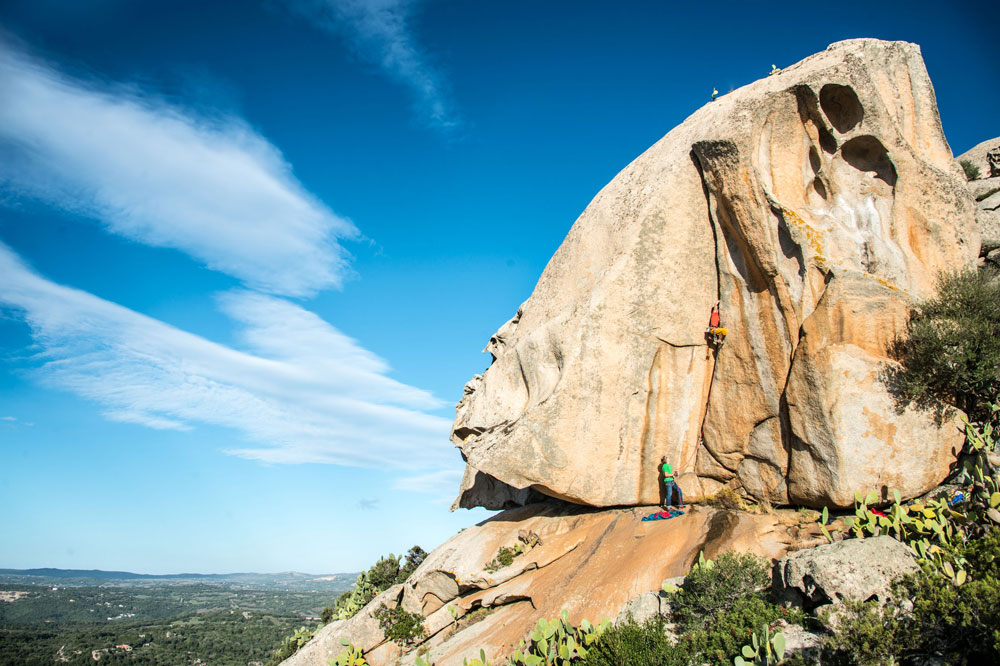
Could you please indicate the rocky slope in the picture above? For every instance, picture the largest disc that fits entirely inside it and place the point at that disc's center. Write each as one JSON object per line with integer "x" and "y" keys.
{"x": 815, "y": 204}
{"x": 590, "y": 562}
{"x": 986, "y": 191}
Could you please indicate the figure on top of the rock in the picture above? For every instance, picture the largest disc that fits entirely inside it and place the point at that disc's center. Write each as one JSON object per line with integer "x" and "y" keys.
{"x": 715, "y": 332}
{"x": 670, "y": 484}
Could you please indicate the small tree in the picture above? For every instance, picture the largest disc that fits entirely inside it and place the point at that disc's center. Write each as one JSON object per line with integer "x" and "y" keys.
{"x": 950, "y": 350}
{"x": 327, "y": 614}
{"x": 413, "y": 560}
{"x": 383, "y": 574}
{"x": 970, "y": 169}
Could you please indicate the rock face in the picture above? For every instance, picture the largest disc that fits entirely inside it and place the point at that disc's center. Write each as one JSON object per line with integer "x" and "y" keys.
{"x": 593, "y": 563}
{"x": 815, "y": 205}
{"x": 986, "y": 191}
{"x": 855, "y": 569}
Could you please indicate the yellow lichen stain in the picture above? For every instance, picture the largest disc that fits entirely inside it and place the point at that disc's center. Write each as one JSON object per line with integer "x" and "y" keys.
{"x": 813, "y": 237}
{"x": 886, "y": 283}
{"x": 879, "y": 427}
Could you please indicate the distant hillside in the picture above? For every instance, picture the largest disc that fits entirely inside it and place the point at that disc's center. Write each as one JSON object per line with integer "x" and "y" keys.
{"x": 287, "y": 580}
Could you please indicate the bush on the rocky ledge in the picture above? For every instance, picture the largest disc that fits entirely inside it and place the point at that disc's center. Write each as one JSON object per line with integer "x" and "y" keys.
{"x": 712, "y": 587}
{"x": 400, "y": 626}
{"x": 971, "y": 170}
{"x": 932, "y": 620}
{"x": 388, "y": 571}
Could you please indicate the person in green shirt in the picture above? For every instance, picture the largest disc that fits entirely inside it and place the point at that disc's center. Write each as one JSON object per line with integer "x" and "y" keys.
{"x": 671, "y": 486}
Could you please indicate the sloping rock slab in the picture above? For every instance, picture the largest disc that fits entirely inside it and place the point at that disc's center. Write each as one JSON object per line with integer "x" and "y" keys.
{"x": 362, "y": 629}
{"x": 595, "y": 563}
{"x": 590, "y": 562}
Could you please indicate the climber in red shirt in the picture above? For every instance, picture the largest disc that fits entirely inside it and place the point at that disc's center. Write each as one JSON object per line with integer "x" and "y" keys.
{"x": 715, "y": 332}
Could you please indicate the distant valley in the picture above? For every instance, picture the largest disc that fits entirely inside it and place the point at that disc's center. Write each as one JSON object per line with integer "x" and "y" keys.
{"x": 286, "y": 580}
{"x": 79, "y": 616}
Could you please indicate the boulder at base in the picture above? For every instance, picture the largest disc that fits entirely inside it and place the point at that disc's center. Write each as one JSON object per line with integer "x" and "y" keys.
{"x": 849, "y": 570}
{"x": 815, "y": 204}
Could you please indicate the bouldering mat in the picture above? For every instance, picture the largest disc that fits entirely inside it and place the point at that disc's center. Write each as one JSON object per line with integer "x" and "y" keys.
{"x": 663, "y": 515}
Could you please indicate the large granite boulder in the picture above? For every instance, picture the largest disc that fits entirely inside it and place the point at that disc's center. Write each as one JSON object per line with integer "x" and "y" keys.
{"x": 849, "y": 570}
{"x": 815, "y": 205}
{"x": 986, "y": 191}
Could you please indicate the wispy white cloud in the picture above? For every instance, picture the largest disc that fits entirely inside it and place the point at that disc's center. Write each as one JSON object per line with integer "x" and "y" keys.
{"x": 14, "y": 422}
{"x": 380, "y": 31}
{"x": 445, "y": 480}
{"x": 368, "y": 504}
{"x": 161, "y": 175}
{"x": 301, "y": 391}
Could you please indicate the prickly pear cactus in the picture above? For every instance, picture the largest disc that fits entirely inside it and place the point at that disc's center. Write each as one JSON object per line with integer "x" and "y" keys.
{"x": 762, "y": 652}
{"x": 350, "y": 656}
{"x": 557, "y": 642}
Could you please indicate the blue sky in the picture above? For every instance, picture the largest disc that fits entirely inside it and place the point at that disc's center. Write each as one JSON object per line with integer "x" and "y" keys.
{"x": 249, "y": 251}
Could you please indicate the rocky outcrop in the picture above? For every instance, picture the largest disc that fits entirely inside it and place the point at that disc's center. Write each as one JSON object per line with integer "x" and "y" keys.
{"x": 986, "y": 191}
{"x": 592, "y": 563}
{"x": 815, "y": 205}
{"x": 851, "y": 570}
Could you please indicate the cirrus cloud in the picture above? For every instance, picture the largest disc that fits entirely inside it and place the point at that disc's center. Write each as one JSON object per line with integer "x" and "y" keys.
{"x": 300, "y": 392}
{"x": 159, "y": 174}
{"x": 380, "y": 31}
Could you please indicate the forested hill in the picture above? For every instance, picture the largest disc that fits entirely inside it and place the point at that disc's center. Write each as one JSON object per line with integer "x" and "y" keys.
{"x": 288, "y": 580}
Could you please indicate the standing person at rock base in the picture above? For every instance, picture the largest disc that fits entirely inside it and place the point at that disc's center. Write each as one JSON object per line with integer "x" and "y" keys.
{"x": 670, "y": 484}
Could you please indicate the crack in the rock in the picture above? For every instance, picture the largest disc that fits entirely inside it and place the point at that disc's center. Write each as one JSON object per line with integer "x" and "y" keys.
{"x": 676, "y": 345}
{"x": 712, "y": 222}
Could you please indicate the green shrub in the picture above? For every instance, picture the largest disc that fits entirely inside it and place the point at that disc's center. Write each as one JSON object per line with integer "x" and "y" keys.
{"x": 951, "y": 349}
{"x": 717, "y": 611}
{"x": 960, "y": 622}
{"x": 731, "y": 629}
{"x": 382, "y": 575}
{"x": 634, "y": 644}
{"x": 400, "y": 626}
{"x": 930, "y": 618}
{"x": 866, "y": 635}
{"x": 506, "y": 554}
{"x": 505, "y": 557}
{"x": 970, "y": 169}
{"x": 414, "y": 558}
{"x": 710, "y": 589}
{"x": 327, "y": 614}
{"x": 291, "y": 644}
